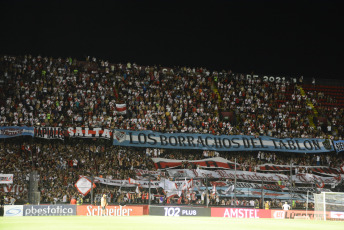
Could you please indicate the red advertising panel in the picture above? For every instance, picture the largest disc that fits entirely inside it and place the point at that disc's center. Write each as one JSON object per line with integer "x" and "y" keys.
{"x": 291, "y": 214}
{"x": 240, "y": 213}
{"x": 91, "y": 210}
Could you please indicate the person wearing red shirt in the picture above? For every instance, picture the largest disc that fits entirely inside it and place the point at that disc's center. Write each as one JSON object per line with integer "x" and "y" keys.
{"x": 73, "y": 200}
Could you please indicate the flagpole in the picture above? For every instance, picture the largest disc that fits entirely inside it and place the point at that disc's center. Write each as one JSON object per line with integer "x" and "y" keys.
{"x": 206, "y": 191}
{"x": 92, "y": 181}
{"x": 307, "y": 203}
{"x": 149, "y": 190}
{"x": 235, "y": 181}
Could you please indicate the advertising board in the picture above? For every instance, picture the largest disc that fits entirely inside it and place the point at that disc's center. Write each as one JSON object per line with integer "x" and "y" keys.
{"x": 337, "y": 215}
{"x": 13, "y": 210}
{"x": 91, "y": 210}
{"x": 178, "y": 211}
{"x": 240, "y": 213}
{"x": 49, "y": 210}
{"x": 291, "y": 214}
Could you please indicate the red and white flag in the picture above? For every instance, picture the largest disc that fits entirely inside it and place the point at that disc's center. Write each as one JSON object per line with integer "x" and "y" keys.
{"x": 121, "y": 108}
{"x": 187, "y": 184}
{"x": 84, "y": 185}
{"x": 342, "y": 168}
{"x": 170, "y": 188}
{"x": 133, "y": 181}
{"x": 137, "y": 190}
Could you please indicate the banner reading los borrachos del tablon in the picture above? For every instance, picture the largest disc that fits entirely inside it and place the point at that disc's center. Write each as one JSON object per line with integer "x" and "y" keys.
{"x": 219, "y": 143}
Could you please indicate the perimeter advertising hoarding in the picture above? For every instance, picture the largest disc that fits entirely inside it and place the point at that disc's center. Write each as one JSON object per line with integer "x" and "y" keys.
{"x": 178, "y": 211}
{"x": 13, "y": 210}
{"x": 291, "y": 214}
{"x": 92, "y": 210}
{"x": 240, "y": 213}
{"x": 337, "y": 215}
{"x": 49, "y": 210}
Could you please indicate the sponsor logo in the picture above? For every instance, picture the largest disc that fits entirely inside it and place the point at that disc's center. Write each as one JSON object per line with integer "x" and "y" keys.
{"x": 178, "y": 211}
{"x": 290, "y": 214}
{"x": 112, "y": 211}
{"x": 91, "y": 210}
{"x": 50, "y": 210}
{"x": 241, "y": 213}
{"x": 337, "y": 215}
{"x": 120, "y": 136}
{"x": 13, "y": 212}
{"x": 279, "y": 214}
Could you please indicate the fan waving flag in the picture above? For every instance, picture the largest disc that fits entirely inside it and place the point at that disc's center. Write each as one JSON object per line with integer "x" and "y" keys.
{"x": 133, "y": 181}
{"x": 214, "y": 189}
{"x": 187, "y": 184}
{"x": 121, "y": 108}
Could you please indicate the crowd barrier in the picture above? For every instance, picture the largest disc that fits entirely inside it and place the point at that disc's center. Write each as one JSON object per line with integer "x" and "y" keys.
{"x": 173, "y": 211}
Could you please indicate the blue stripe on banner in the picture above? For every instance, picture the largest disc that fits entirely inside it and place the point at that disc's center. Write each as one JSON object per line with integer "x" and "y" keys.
{"x": 219, "y": 143}
{"x": 16, "y": 131}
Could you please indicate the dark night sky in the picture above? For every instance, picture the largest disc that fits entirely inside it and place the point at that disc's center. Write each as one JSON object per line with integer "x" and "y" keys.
{"x": 289, "y": 38}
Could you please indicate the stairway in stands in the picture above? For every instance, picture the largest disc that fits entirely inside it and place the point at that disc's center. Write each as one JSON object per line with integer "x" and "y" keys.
{"x": 310, "y": 104}
{"x": 219, "y": 99}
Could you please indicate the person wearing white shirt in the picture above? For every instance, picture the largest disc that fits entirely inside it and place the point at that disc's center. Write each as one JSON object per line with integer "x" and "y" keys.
{"x": 286, "y": 206}
{"x": 103, "y": 204}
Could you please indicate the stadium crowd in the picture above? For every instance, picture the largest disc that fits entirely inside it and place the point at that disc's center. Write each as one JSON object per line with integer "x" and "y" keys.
{"x": 42, "y": 91}
{"x": 67, "y": 92}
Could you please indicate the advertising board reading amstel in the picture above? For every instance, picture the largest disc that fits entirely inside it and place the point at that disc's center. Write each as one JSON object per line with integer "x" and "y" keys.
{"x": 240, "y": 213}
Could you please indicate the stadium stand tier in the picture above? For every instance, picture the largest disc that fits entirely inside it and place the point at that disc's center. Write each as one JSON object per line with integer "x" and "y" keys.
{"x": 64, "y": 92}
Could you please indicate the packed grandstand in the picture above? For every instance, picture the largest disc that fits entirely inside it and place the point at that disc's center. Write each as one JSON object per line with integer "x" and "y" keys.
{"x": 201, "y": 137}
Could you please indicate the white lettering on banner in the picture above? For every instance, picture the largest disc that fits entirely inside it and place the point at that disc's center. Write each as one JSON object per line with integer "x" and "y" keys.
{"x": 253, "y": 176}
{"x": 219, "y": 143}
{"x": 171, "y": 211}
{"x": 48, "y": 210}
{"x": 241, "y": 213}
{"x": 109, "y": 211}
{"x": 125, "y": 183}
{"x": 89, "y": 133}
{"x": 189, "y": 213}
